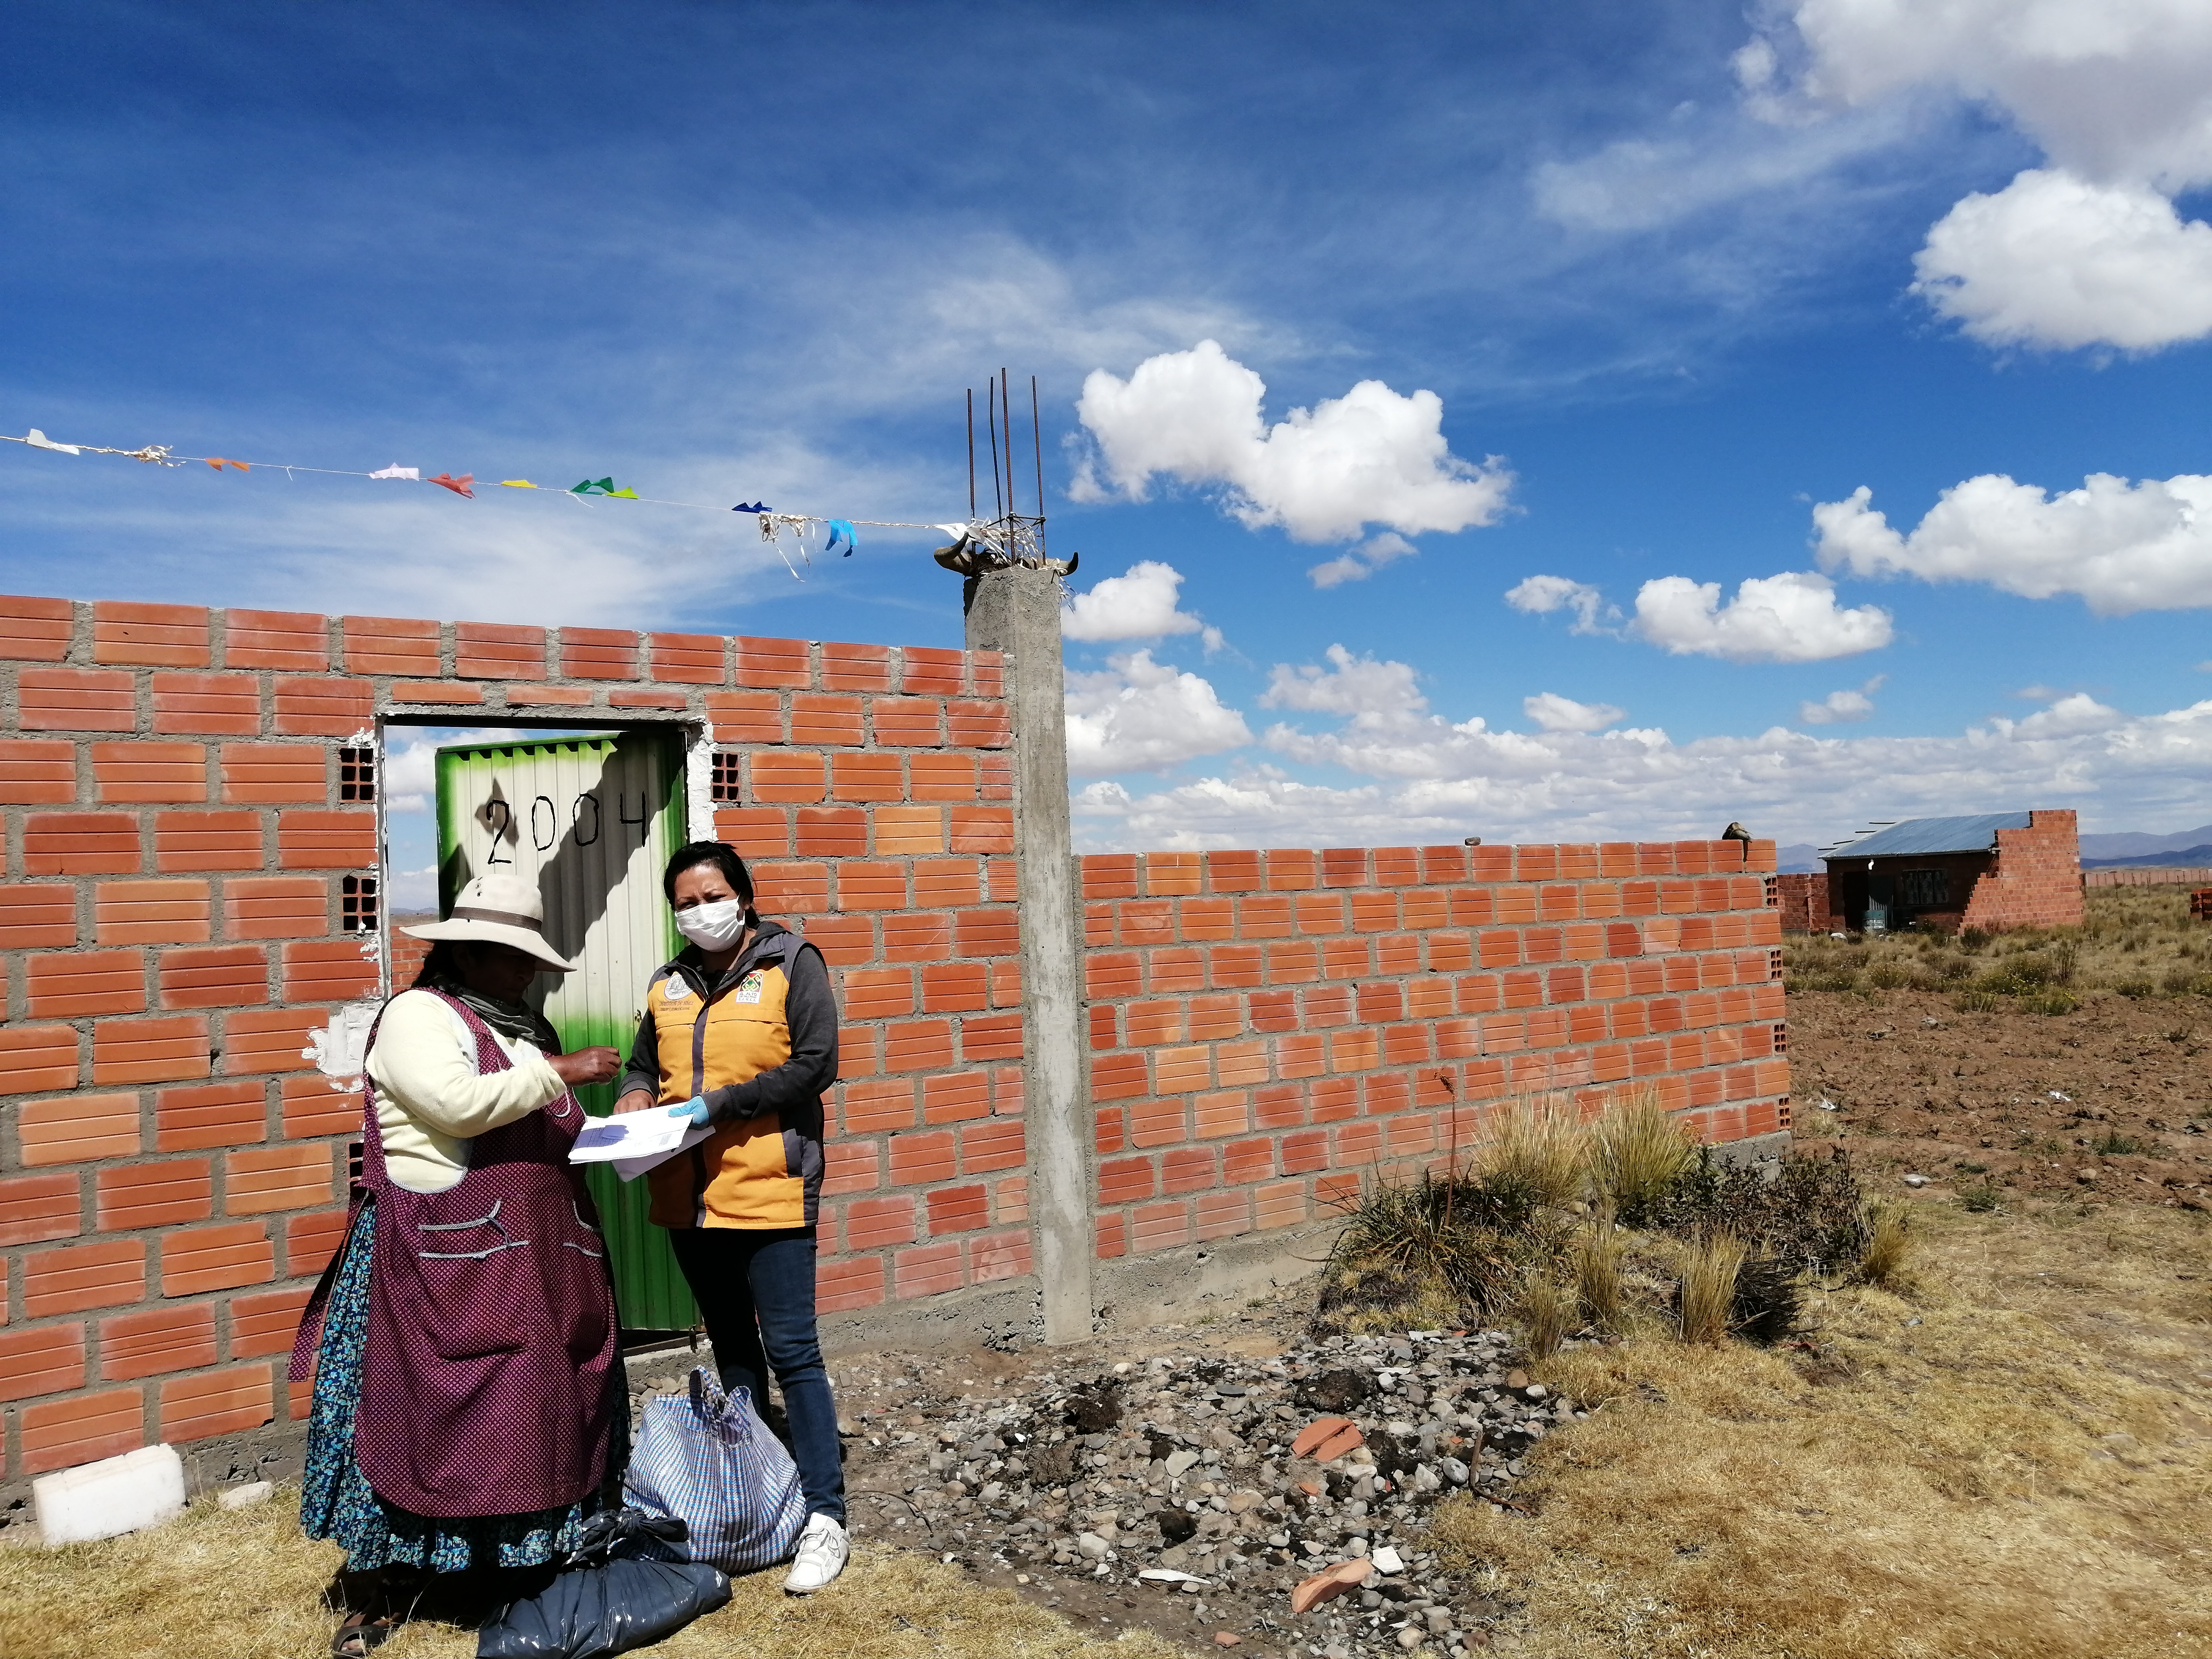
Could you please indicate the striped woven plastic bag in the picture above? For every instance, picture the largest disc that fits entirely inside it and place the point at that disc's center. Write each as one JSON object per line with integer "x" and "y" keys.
{"x": 708, "y": 1459}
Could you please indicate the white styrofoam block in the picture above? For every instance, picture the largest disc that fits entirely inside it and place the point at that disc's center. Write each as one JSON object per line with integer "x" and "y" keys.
{"x": 116, "y": 1495}
{"x": 245, "y": 1497}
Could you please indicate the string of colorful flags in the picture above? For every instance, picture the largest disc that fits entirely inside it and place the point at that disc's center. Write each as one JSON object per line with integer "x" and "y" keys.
{"x": 842, "y": 534}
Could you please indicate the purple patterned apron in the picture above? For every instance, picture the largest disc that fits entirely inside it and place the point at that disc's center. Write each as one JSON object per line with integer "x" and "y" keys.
{"x": 491, "y": 1322}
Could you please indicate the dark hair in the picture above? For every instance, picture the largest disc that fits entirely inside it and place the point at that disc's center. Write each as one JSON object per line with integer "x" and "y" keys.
{"x": 723, "y": 856}
{"x": 439, "y": 965}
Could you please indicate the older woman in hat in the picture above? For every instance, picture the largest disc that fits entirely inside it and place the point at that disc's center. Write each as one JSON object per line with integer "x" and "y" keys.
{"x": 467, "y": 1406}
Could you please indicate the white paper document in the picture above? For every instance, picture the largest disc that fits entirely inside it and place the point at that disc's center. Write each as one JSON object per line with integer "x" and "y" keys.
{"x": 635, "y": 1142}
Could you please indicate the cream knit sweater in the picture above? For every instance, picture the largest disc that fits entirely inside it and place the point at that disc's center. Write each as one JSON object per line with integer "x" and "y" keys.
{"x": 430, "y": 1099}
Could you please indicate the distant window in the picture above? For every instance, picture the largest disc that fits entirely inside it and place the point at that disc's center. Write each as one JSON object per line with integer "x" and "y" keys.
{"x": 357, "y": 907}
{"x": 356, "y": 774}
{"x": 1923, "y": 889}
{"x": 727, "y": 778}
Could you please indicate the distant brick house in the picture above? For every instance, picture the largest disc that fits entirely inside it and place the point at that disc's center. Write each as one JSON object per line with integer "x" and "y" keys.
{"x": 1992, "y": 871}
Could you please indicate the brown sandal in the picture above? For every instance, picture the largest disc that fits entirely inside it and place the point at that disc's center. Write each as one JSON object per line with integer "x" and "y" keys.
{"x": 360, "y": 1635}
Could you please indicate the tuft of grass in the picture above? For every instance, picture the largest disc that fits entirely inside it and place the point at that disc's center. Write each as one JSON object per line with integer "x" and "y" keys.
{"x": 1888, "y": 1245}
{"x": 1636, "y": 1155}
{"x": 1539, "y": 1147}
{"x": 1979, "y": 1198}
{"x": 1597, "y": 1258}
{"x": 1706, "y": 1295}
{"x": 2113, "y": 1144}
{"x": 1548, "y": 1313}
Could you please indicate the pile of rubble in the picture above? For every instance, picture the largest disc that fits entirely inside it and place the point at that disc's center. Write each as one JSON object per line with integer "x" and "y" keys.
{"x": 1283, "y": 1501}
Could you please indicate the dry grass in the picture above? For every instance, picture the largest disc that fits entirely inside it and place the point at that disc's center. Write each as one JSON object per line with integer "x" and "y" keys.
{"x": 1598, "y": 1285}
{"x": 1889, "y": 1247}
{"x": 1707, "y": 1293}
{"x": 247, "y": 1586}
{"x": 1548, "y": 1313}
{"x": 1638, "y": 1153}
{"x": 2014, "y": 1465}
{"x": 1541, "y": 1147}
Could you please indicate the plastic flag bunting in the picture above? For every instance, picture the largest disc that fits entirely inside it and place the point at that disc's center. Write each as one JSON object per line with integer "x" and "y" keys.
{"x": 460, "y": 486}
{"x": 516, "y": 483}
{"x": 396, "y": 470}
{"x": 38, "y": 440}
{"x": 840, "y": 530}
{"x": 750, "y": 506}
{"x": 218, "y": 462}
{"x": 603, "y": 487}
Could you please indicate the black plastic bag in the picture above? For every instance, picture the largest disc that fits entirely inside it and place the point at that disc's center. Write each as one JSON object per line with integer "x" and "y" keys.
{"x": 590, "y": 1612}
{"x": 630, "y": 1532}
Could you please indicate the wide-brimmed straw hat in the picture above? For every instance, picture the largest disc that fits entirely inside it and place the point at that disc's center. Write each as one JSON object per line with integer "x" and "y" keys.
{"x": 498, "y": 910}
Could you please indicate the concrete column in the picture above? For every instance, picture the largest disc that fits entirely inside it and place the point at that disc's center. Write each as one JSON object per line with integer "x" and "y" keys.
{"x": 1017, "y": 611}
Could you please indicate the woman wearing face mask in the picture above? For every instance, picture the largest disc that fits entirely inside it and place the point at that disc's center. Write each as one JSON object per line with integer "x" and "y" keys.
{"x": 740, "y": 1032}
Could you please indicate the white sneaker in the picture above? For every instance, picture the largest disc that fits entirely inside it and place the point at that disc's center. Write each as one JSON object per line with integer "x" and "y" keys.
{"x": 821, "y": 1556}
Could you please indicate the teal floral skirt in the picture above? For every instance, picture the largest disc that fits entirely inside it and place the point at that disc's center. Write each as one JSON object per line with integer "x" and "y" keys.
{"x": 336, "y": 1502}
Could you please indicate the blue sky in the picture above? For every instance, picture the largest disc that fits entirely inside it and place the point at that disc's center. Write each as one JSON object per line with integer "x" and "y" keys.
{"x": 1688, "y": 274}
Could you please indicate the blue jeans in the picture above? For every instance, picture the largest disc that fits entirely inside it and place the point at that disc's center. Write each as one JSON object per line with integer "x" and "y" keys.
{"x": 756, "y": 1290}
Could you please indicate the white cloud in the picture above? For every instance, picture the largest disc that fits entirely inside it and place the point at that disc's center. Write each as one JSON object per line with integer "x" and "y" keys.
{"x": 1323, "y": 474}
{"x": 2055, "y": 260}
{"x": 1363, "y": 561}
{"x": 1423, "y": 778}
{"x": 2121, "y": 547}
{"x": 1554, "y": 713}
{"x": 1138, "y": 715}
{"x": 2088, "y": 251}
{"x": 1841, "y": 707}
{"x": 1792, "y": 616}
{"x": 1140, "y": 605}
{"x": 1540, "y": 596}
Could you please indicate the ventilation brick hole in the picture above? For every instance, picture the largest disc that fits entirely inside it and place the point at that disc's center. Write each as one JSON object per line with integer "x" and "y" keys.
{"x": 1774, "y": 892}
{"x": 358, "y": 905}
{"x": 725, "y": 782}
{"x": 353, "y": 1164}
{"x": 1774, "y": 964}
{"x": 356, "y": 774}
{"x": 1781, "y": 1039}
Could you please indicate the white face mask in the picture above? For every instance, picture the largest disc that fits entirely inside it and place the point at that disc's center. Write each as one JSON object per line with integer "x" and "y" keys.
{"x": 712, "y": 926}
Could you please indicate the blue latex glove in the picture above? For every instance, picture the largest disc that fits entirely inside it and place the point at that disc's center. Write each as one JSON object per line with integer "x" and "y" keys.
{"x": 695, "y": 1108}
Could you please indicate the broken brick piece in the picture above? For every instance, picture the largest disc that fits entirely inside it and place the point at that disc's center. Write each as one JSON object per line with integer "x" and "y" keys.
{"x": 1330, "y": 1583}
{"x": 1326, "y": 1439}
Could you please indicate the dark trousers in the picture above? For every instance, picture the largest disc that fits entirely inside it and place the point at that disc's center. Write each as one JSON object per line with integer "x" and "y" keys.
{"x": 756, "y": 1291}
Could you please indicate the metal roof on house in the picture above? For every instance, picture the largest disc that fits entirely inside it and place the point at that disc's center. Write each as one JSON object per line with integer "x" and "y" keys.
{"x": 1972, "y": 835}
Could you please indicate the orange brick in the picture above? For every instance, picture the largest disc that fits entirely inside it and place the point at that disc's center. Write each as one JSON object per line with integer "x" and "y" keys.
{"x": 136, "y": 1195}
{"x": 34, "y": 772}
{"x": 871, "y": 1224}
{"x": 960, "y": 1210}
{"x": 268, "y": 1039}
{"x": 691, "y": 659}
{"x": 295, "y": 640}
{"x": 150, "y": 1050}
{"x": 268, "y": 1178}
{"x": 318, "y": 1105}
{"x": 165, "y": 636}
{"x": 149, "y": 771}
{"x": 1217, "y": 1115}
{"x": 909, "y": 831}
{"x": 34, "y": 915}
{"x": 1159, "y": 1227}
{"x": 843, "y": 1285}
{"x": 983, "y": 829}
{"x": 997, "y": 1144}
{"x": 391, "y": 645}
{"x": 830, "y": 832}
{"x": 793, "y": 889}
{"x": 35, "y": 1208}
{"x": 953, "y": 987}
{"x": 864, "y": 885}
{"x": 106, "y": 1274}
{"x": 778, "y": 776}
{"x": 160, "y": 1339}
{"x": 764, "y": 662}
{"x": 943, "y": 777}
{"x": 908, "y": 722}
{"x": 216, "y": 1258}
{"x": 745, "y": 716}
{"x": 598, "y": 653}
{"x": 827, "y": 720}
{"x": 35, "y": 630}
{"x": 928, "y": 1269}
{"x": 978, "y": 724}
{"x": 150, "y": 913}
{"x": 757, "y": 832}
{"x": 207, "y": 703}
{"x": 80, "y": 843}
{"x": 277, "y": 906}
{"x": 995, "y": 1037}
{"x": 37, "y": 1057}
{"x": 223, "y": 977}
{"x": 49, "y": 1359}
{"x": 206, "y": 841}
{"x": 856, "y": 667}
{"x": 494, "y": 651}
{"x": 265, "y": 1323}
{"x": 208, "y": 1114}
{"x": 268, "y": 774}
{"x": 878, "y": 993}
{"x": 310, "y": 1241}
{"x": 324, "y": 707}
{"x": 956, "y": 1097}
{"x": 876, "y": 1104}
{"x": 864, "y": 777}
{"x": 327, "y": 841}
{"x": 930, "y": 671}
{"x": 919, "y": 1046}
{"x": 76, "y": 700}
{"x": 917, "y": 936}
{"x": 217, "y": 1402}
{"x": 77, "y": 1129}
{"x": 328, "y": 970}
{"x": 651, "y": 697}
{"x": 918, "y": 1159}
{"x": 80, "y": 1430}
{"x": 86, "y": 982}
{"x": 560, "y": 697}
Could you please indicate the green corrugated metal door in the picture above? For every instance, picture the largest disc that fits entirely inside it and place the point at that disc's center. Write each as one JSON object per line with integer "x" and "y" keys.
{"x": 592, "y": 821}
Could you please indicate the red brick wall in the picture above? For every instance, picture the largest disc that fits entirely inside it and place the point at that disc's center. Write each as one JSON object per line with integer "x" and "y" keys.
{"x": 1802, "y": 900}
{"x": 173, "y": 1170}
{"x": 2038, "y": 879}
{"x": 1266, "y": 1027}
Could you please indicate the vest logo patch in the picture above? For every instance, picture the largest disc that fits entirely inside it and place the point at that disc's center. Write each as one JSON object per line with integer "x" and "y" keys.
{"x": 750, "y": 987}
{"x": 674, "y": 989}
